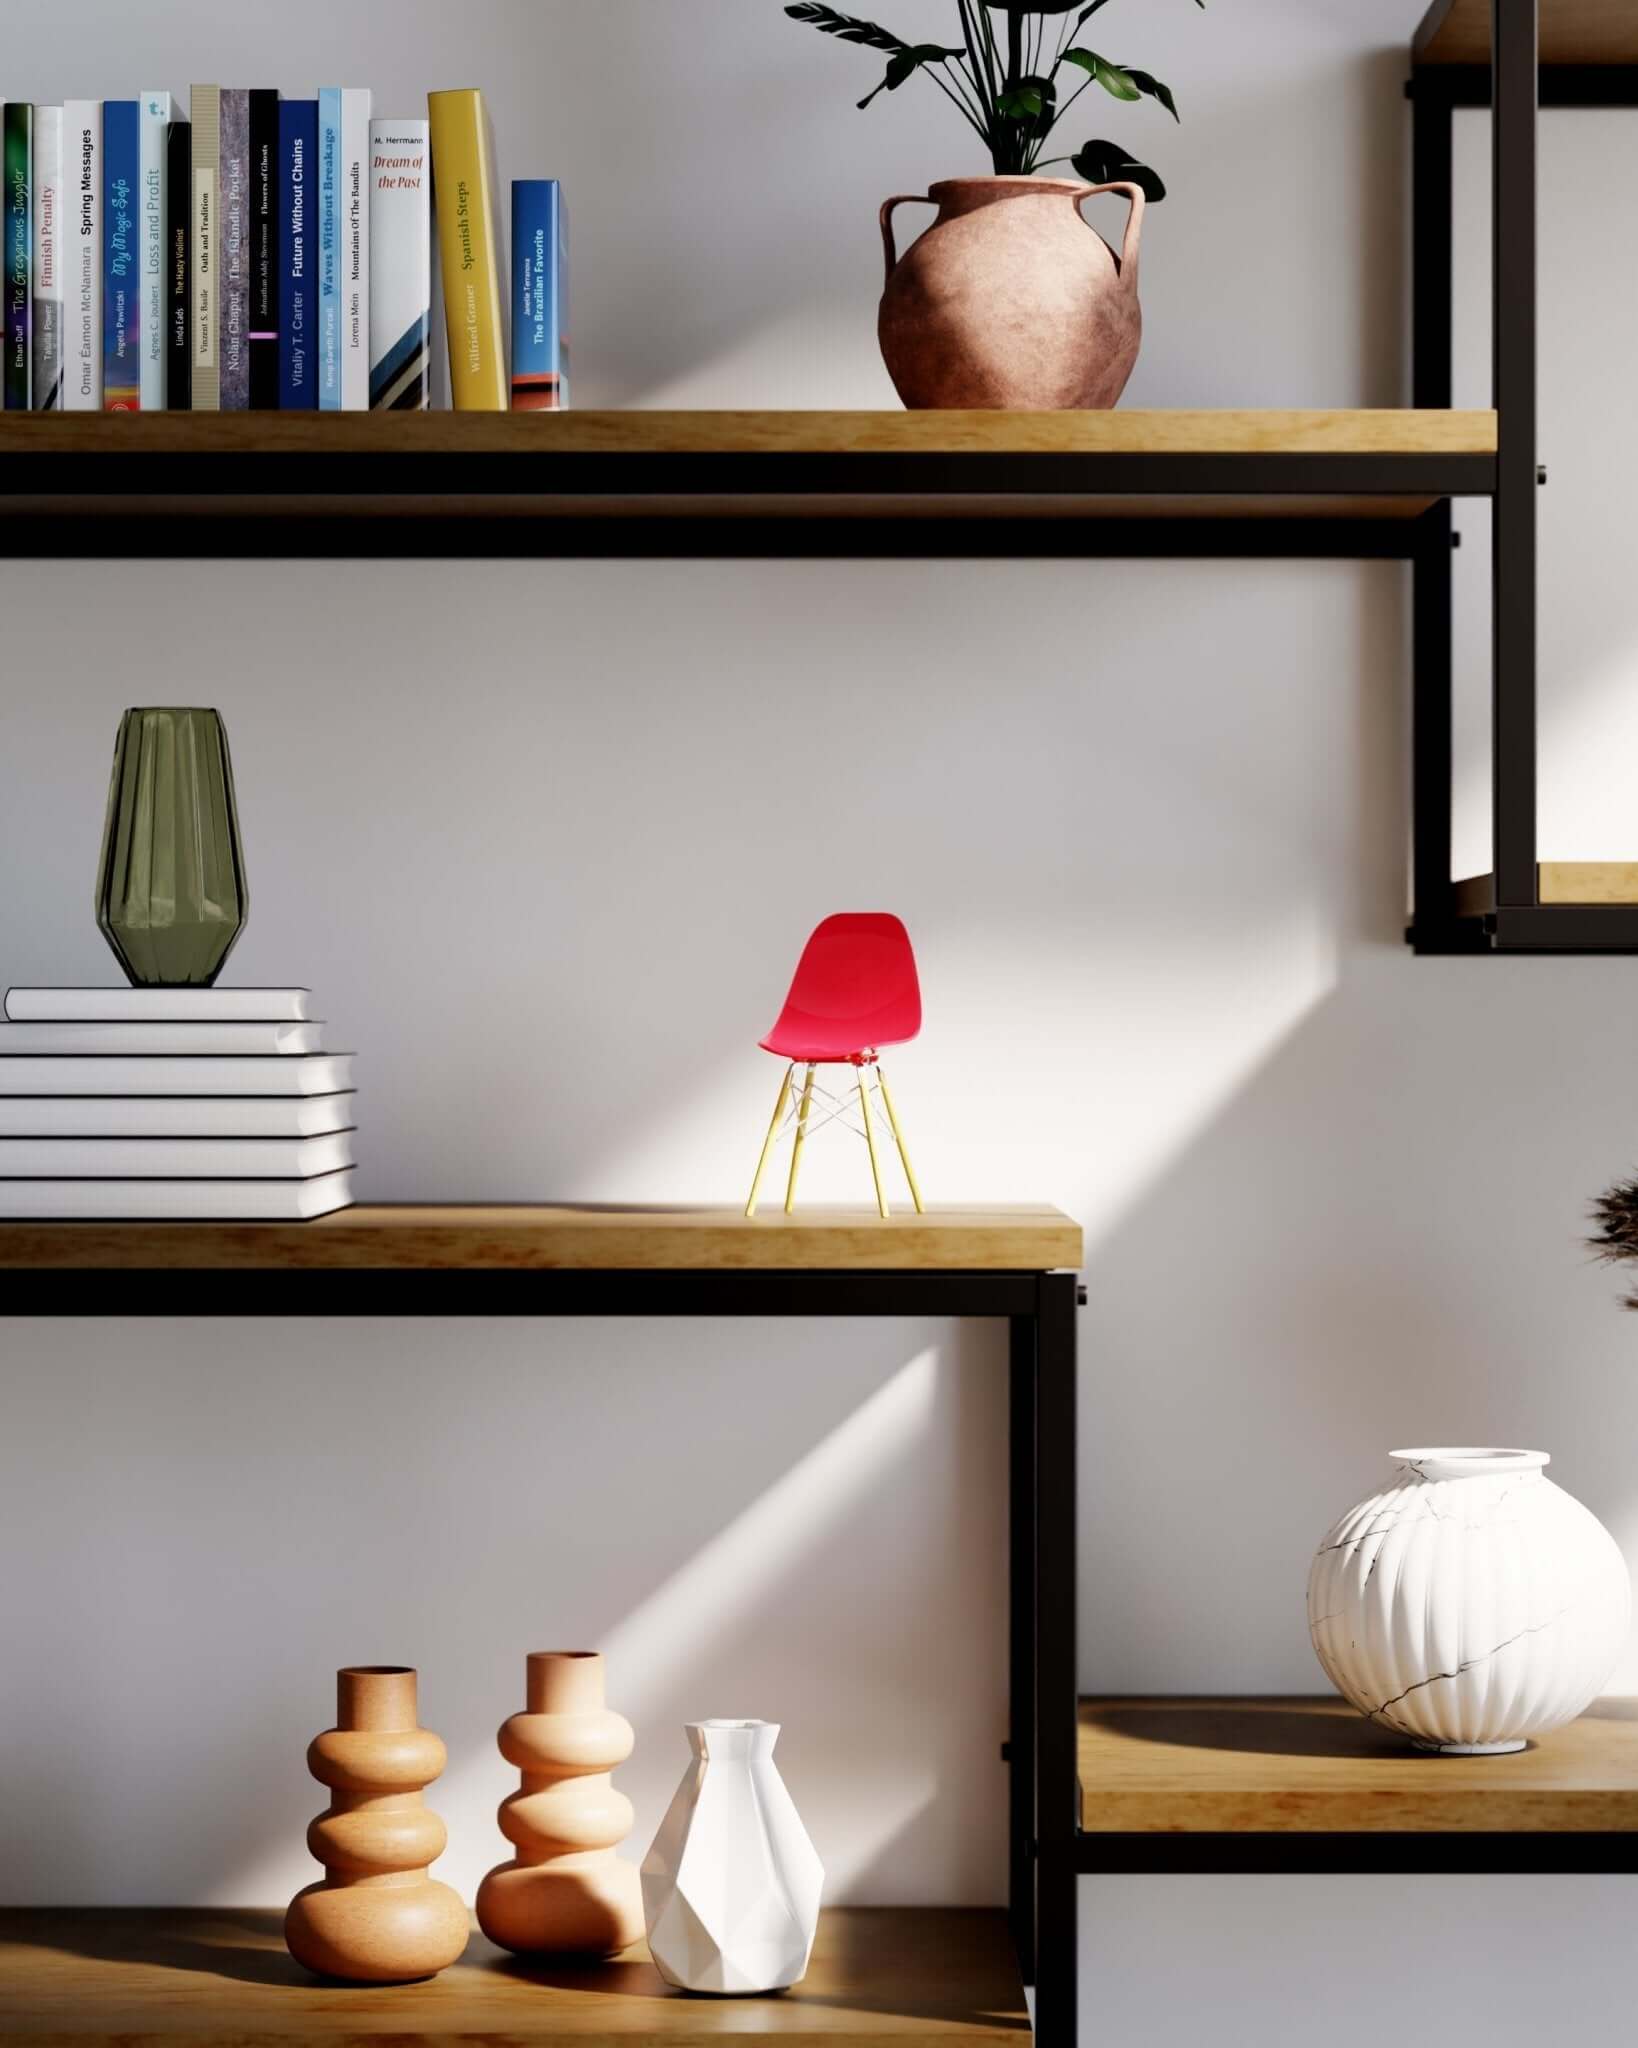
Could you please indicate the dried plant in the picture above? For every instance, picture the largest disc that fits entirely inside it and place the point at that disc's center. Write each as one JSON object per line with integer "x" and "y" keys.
{"x": 1615, "y": 1239}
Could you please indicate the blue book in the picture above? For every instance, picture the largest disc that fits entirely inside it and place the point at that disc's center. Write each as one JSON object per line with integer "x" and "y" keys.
{"x": 540, "y": 296}
{"x": 121, "y": 257}
{"x": 298, "y": 255}
{"x": 329, "y": 248}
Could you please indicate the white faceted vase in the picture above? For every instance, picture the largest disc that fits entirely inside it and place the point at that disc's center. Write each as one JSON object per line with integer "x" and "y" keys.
{"x": 1472, "y": 1605}
{"x": 731, "y": 1886}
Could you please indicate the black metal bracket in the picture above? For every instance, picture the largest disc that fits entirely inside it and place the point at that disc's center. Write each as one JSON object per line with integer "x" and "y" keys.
{"x": 1509, "y": 86}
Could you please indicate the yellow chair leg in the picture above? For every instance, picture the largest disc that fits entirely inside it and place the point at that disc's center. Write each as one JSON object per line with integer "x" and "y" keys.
{"x": 801, "y": 1134}
{"x": 768, "y": 1142}
{"x": 870, "y": 1140}
{"x": 898, "y": 1139}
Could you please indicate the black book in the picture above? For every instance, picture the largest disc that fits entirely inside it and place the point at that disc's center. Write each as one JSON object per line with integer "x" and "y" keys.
{"x": 264, "y": 252}
{"x": 178, "y": 297}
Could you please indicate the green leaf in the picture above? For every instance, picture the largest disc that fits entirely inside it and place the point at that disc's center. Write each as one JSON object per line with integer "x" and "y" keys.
{"x": 847, "y": 26}
{"x": 906, "y": 64}
{"x": 1106, "y": 163}
{"x": 1112, "y": 77}
{"x": 1146, "y": 81}
{"x": 1028, "y": 100}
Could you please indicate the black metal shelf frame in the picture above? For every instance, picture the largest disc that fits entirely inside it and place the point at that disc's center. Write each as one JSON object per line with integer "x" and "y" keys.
{"x": 1512, "y": 86}
{"x": 1039, "y": 1308}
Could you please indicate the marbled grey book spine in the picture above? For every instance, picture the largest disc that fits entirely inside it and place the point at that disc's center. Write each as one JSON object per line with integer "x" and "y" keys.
{"x": 234, "y": 299}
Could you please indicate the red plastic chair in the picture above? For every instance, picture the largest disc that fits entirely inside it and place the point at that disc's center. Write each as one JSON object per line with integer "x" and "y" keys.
{"x": 855, "y": 991}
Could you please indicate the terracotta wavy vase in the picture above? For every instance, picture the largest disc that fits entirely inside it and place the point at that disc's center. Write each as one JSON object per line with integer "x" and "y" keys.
{"x": 376, "y": 1918}
{"x": 1011, "y": 301}
{"x": 565, "y": 1892}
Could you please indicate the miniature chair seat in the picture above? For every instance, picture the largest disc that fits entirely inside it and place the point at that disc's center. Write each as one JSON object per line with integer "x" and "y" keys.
{"x": 855, "y": 990}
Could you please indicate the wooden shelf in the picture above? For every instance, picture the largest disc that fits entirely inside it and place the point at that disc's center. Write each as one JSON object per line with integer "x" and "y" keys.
{"x": 1572, "y": 32}
{"x": 491, "y": 1239}
{"x": 540, "y": 436}
{"x": 66, "y": 471}
{"x": 190, "y": 1979}
{"x": 1301, "y": 1766}
{"x": 1558, "y": 881}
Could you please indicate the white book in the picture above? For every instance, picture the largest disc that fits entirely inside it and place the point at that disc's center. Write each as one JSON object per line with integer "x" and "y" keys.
{"x": 356, "y": 103}
{"x": 279, "y": 1041}
{"x": 82, "y": 265}
{"x": 175, "y": 1116}
{"x": 179, "y": 1201}
{"x": 48, "y": 259}
{"x": 167, "y": 1074}
{"x": 155, "y": 112}
{"x": 174, "y": 1158}
{"x": 400, "y": 267}
{"x": 159, "y": 1005}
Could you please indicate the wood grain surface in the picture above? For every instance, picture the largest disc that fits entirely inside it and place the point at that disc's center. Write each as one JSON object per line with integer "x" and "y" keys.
{"x": 1379, "y": 432}
{"x": 185, "y": 1979}
{"x": 1572, "y": 32}
{"x": 1558, "y": 881}
{"x": 1279, "y": 1765}
{"x": 1023, "y": 1239}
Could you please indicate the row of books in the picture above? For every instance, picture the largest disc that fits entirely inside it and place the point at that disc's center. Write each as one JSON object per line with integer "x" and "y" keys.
{"x": 180, "y": 1104}
{"x": 267, "y": 254}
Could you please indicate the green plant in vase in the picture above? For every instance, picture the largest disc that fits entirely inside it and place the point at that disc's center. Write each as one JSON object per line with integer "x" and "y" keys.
{"x": 1009, "y": 300}
{"x": 1006, "y": 86}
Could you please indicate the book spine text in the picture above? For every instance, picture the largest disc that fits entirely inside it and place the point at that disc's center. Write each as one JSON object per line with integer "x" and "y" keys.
{"x": 178, "y": 280}
{"x": 463, "y": 170}
{"x": 298, "y": 255}
{"x": 540, "y": 265}
{"x": 82, "y": 264}
{"x": 17, "y": 256}
{"x": 121, "y": 257}
{"x": 206, "y": 103}
{"x": 233, "y": 248}
{"x": 400, "y": 267}
{"x": 48, "y": 259}
{"x": 154, "y": 121}
{"x": 329, "y": 249}
{"x": 355, "y": 249}
{"x": 263, "y": 317}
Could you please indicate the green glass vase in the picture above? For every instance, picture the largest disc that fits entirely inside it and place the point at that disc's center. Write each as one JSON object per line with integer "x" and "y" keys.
{"x": 171, "y": 894}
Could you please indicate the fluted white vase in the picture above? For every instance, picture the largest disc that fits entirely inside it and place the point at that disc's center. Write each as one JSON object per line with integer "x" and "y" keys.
{"x": 1471, "y": 1605}
{"x": 731, "y": 1886}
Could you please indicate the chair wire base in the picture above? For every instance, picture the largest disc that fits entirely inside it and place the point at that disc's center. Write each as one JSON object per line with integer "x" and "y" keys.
{"x": 800, "y": 1112}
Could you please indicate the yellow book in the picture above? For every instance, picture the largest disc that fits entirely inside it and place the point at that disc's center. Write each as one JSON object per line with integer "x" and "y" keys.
{"x": 463, "y": 186}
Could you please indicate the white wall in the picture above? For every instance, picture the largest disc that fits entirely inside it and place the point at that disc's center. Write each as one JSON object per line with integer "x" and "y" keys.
{"x": 1147, "y": 825}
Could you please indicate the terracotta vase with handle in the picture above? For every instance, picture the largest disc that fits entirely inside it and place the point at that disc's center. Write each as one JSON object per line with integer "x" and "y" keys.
{"x": 1011, "y": 301}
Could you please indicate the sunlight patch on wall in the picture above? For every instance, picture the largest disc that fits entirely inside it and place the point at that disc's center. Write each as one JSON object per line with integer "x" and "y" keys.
{"x": 666, "y": 1656}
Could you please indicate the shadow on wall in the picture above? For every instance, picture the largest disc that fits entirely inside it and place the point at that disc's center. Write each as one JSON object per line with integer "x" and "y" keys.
{"x": 1424, "y": 1283}
{"x": 835, "y": 1522}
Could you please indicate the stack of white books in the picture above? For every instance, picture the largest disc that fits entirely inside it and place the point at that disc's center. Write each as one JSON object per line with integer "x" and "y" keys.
{"x": 185, "y": 1103}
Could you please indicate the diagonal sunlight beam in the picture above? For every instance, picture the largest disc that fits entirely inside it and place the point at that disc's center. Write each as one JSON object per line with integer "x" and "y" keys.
{"x": 682, "y": 1623}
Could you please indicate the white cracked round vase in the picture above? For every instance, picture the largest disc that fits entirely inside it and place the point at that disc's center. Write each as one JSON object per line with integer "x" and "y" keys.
{"x": 1470, "y": 1606}
{"x": 731, "y": 1886}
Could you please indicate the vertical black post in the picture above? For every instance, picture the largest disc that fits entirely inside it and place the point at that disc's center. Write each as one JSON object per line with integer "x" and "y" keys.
{"x": 1057, "y": 1703}
{"x": 1513, "y": 610}
{"x": 1432, "y": 718}
{"x": 1021, "y": 1595}
{"x": 1433, "y": 208}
